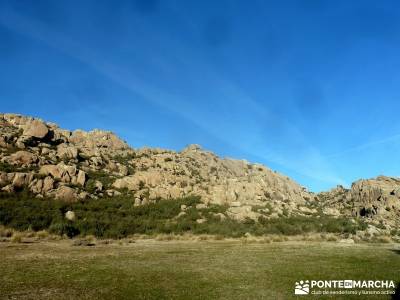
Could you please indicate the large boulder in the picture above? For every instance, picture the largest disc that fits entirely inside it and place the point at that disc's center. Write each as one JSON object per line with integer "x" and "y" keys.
{"x": 22, "y": 158}
{"x": 36, "y": 128}
{"x": 22, "y": 179}
{"x": 54, "y": 170}
{"x": 66, "y": 193}
{"x": 67, "y": 152}
{"x": 139, "y": 180}
{"x": 129, "y": 182}
{"x": 65, "y": 173}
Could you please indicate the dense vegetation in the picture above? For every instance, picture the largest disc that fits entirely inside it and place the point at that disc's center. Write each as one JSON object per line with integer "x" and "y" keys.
{"x": 117, "y": 217}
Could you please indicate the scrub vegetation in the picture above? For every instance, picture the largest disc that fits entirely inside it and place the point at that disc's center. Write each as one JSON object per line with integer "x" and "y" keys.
{"x": 117, "y": 217}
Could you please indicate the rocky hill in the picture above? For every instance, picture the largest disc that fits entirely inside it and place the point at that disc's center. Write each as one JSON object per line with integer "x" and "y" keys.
{"x": 84, "y": 166}
{"x": 377, "y": 200}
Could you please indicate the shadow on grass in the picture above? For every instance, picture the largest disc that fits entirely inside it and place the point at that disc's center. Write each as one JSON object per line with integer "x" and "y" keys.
{"x": 397, "y": 251}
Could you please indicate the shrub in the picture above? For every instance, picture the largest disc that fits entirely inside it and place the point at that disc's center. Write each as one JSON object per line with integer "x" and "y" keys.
{"x": 124, "y": 160}
{"x": 101, "y": 176}
{"x": 332, "y": 238}
{"x": 6, "y": 167}
{"x": 16, "y": 238}
{"x": 9, "y": 168}
{"x": 64, "y": 229}
{"x": 277, "y": 239}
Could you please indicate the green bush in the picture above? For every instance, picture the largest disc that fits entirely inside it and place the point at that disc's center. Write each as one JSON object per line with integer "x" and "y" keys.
{"x": 64, "y": 228}
{"x": 22, "y": 212}
{"x": 105, "y": 178}
{"x": 6, "y": 167}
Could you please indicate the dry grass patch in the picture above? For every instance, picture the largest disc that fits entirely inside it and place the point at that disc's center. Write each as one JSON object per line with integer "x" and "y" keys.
{"x": 16, "y": 238}
{"x": 383, "y": 239}
{"x": 42, "y": 234}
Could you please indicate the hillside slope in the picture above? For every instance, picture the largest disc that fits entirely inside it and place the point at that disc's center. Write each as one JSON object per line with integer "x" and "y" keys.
{"x": 82, "y": 165}
{"x": 74, "y": 166}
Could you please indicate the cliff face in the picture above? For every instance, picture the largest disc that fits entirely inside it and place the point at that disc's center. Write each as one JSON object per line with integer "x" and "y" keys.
{"x": 78, "y": 165}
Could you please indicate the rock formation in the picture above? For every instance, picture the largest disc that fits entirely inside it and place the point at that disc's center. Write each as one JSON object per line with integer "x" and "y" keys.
{"x": 376, "y": 199}
{"x": 80, "y": 166}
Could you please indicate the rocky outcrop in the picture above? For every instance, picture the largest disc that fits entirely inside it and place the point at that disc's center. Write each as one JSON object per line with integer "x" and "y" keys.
{"x": 377, "y": 199}
{"x": 168, "y": 174}
{"x": 65, "y": 164}
{"x": 75, "y": 165}
{"x": 378, "y": 196}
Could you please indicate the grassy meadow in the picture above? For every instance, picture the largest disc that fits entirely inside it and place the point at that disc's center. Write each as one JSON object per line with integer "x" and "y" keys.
{"x": 151, "y": 269}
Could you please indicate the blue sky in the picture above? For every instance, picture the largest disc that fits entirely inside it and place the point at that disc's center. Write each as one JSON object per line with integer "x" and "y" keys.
{"x": 309, "y": 88}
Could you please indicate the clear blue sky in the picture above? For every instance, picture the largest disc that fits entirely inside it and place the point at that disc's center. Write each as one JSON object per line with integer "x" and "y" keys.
{"x": 309, "y": 88}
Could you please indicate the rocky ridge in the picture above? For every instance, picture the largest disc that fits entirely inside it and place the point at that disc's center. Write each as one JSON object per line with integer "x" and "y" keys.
{"x": 83, "y": 166}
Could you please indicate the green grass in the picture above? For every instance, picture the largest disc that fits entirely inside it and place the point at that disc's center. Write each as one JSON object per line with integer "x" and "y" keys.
{"x": 149, "y": 269}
